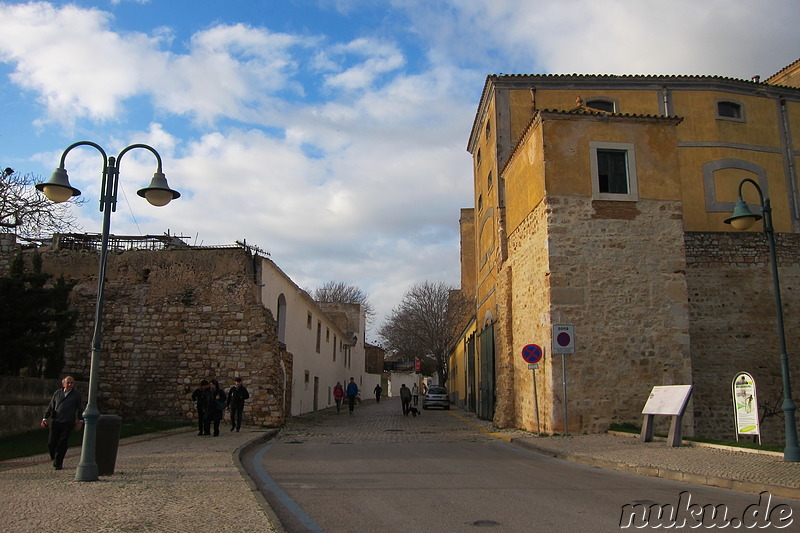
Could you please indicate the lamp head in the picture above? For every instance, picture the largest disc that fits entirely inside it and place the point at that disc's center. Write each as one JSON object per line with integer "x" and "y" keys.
{"x": 158, "y": 192}
{"x": 742, "y": 218}
{"x": 57, "y": 188}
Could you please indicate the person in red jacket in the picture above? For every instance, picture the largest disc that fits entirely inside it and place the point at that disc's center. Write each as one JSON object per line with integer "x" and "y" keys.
{"x": 338, "y": 395}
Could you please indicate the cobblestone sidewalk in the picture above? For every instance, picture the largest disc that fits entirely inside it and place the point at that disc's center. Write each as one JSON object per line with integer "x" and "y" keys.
{"x": 168, "y": 482}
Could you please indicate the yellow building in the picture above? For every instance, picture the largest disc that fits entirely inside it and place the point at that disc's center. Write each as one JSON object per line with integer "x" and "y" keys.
{"x": 600, "y": 203}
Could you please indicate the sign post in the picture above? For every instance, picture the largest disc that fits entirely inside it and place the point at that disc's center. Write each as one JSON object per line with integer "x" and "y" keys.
{"x": 745, "y": 405}
{"x": 532, "y": 354}
{"x": 669, "y": 400}
{"x": 564, "y": 343}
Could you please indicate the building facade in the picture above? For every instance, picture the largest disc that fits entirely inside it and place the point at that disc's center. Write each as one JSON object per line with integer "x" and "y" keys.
{"x": 600, "y": 203}
{"x": 326, "y": 340}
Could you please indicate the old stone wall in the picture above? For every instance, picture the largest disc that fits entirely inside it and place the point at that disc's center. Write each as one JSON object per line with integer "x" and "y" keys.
{"x": 171, "y": 318}
{"x": 616, "y": 271}
{"x": 734, "y": 325}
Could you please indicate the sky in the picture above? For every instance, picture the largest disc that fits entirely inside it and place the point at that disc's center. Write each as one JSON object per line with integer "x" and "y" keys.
{"x": 330, "y": 133}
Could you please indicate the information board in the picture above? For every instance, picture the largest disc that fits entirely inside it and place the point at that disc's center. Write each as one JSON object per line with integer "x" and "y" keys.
{"x": 745, "y": 405}
{"x": 667, "y": 400}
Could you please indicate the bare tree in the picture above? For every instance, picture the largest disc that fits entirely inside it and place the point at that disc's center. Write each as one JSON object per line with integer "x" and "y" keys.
{"x": 424, "y": 325}
{"x": 27, "y": 212}
{"x": 340, "y": 292}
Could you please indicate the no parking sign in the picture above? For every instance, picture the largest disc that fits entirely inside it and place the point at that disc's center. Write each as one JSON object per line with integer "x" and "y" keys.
{"x": 532, "y": 353}
{"x": 563, "y": 339}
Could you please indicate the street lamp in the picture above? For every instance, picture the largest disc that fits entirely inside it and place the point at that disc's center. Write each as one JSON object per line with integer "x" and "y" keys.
{"x": 58, "y": 189}
{"x": 742, "y": 218}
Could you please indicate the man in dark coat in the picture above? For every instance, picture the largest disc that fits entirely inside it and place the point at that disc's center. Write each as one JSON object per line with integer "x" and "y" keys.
{"x": 352, "y": 393}
{"x": 199, "y": 397}
{"x": 65, "y": 410}
{"x": 236, "y": 397}
{"x": 405, "y": 399}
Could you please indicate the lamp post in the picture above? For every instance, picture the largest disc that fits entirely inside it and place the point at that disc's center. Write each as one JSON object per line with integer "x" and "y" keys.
{"x": 58, "y": 189}
{"x": 742, "y": 218}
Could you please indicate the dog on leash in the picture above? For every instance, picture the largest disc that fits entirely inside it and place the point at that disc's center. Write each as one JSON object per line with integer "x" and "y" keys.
{"x": 414, "y": 411}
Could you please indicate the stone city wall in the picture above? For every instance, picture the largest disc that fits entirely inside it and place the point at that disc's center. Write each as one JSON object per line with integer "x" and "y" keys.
{"x": 734, "y": 325}
{"x": 170, "y": 319}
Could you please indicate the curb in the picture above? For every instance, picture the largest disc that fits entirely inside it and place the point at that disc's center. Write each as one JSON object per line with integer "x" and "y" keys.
{"x": 673, "y": 475}
{"x": 701, "y": 444}
{"x": 262, "y": 501}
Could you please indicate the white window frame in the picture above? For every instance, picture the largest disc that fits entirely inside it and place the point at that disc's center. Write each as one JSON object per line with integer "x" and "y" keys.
{"x": 633, "y": 185}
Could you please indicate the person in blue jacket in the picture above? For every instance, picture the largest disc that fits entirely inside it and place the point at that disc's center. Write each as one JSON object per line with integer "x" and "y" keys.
{"x": 352, "y": 392}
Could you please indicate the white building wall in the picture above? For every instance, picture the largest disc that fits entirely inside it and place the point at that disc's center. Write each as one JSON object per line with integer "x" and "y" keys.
{"x": 398, "y": 379}
{"x": 315, "y": 371}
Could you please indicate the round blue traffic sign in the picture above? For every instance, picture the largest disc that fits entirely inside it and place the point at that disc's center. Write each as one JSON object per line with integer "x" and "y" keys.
{"x": 532, "y": 353}
{"x": 564, "y": 339}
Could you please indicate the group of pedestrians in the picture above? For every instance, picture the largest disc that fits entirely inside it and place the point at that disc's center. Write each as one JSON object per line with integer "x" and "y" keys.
{"x": 406, "y": 395}
{"x": 64, "y": 413}
{"x": 339, "y": 393}
{"x": 212, "y": 402}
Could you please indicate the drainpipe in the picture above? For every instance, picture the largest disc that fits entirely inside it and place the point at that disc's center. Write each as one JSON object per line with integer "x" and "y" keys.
{"x": 791, "y": 173}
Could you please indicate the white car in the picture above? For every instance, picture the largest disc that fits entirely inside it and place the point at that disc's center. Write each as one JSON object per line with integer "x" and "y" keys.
{"x": 436, "y": 397}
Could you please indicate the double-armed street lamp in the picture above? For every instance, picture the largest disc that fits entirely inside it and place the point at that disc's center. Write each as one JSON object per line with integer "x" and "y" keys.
{"x": 743, "y": 219}
{"x": 58, "y": 189}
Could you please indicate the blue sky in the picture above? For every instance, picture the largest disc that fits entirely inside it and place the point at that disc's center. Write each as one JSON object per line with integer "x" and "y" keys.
{"x": 331, "y": 133}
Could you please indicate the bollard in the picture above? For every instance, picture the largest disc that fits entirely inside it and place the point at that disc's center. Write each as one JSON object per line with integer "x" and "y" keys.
{"x": 108, "y": 431}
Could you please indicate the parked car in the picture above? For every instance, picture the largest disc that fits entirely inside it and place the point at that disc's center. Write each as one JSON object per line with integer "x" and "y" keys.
{"x": 436, "y": 397}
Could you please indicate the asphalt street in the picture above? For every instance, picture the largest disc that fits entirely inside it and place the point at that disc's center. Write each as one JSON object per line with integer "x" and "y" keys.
{"x": 378, "y": 470}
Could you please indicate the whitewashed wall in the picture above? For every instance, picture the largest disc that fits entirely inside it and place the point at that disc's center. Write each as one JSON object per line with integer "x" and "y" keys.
{"x": 315, "y": 373}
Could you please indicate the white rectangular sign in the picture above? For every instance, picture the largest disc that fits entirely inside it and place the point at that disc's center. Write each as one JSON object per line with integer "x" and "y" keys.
{"x": 563, "y": 339}
{"x": 667, "y": 400}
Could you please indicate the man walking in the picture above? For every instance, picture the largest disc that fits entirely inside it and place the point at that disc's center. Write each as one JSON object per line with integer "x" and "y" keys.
{"x": 65, "y": 411}
{"x": 236, "y": 397}
{"x": 352, "y": 392}
{"x": 199, "y": 397}
{"x": 405, "y": 398}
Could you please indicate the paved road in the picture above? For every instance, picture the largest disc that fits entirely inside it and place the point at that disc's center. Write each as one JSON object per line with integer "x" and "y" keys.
{"x": 380, "y": 471}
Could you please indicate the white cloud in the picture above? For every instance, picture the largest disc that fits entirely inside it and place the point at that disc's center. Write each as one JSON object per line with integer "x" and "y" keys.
{"x": 71, "y": 60}
{"x": 379, "y": 58}
{"x": 80, "y": 67}
{"x": 230, "y": 71}
{"x": 715, "y": 37}
{"x": 364, "y": 186}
